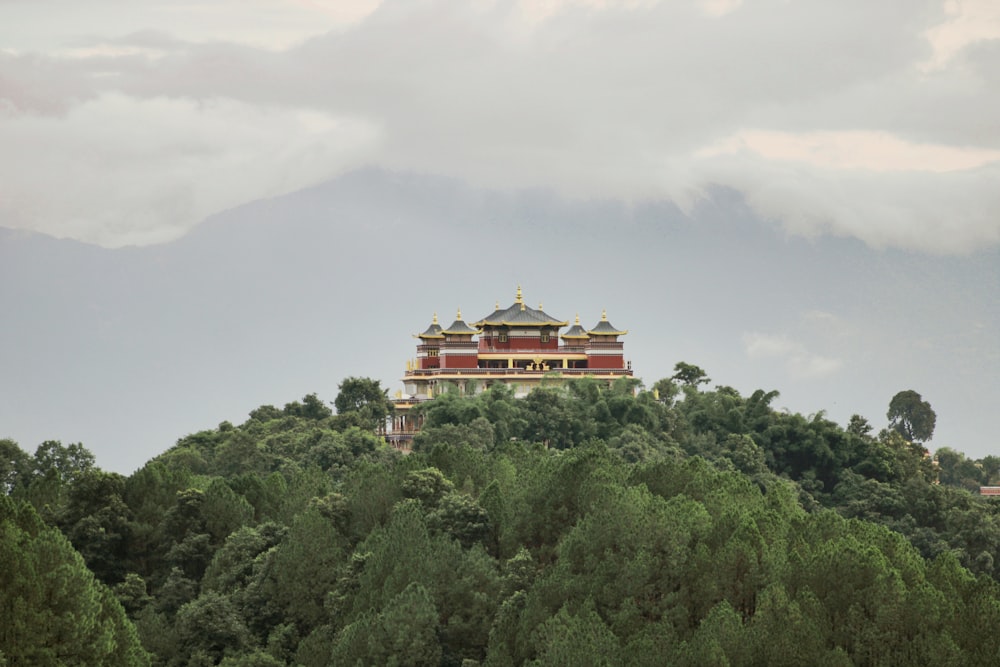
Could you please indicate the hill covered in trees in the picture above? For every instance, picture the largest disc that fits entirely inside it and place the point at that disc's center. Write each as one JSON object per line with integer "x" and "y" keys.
{"x": 583, "y": 524}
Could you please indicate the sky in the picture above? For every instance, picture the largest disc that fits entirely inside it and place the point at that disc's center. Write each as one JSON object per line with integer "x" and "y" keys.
{"x": 879, "y": 121}
{"x": 869, "y": 123}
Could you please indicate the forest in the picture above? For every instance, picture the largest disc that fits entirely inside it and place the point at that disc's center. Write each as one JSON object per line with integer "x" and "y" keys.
{"x": 584, "y": 524}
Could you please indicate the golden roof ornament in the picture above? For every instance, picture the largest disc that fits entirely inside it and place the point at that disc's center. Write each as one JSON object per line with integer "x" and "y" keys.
{"x": 519, "y": 299}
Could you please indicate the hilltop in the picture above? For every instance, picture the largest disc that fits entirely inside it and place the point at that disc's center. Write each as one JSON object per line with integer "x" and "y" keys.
{"x": 584, "y": 522}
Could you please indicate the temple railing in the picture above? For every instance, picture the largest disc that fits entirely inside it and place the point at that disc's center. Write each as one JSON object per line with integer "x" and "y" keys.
{"x": 438, "y": 372}
{"x": 573, "y": 349}
{"x": 569, "y": 349}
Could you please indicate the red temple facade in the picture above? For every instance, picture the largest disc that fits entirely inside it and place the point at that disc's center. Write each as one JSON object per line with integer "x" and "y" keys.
{"x": 518, "y": 346}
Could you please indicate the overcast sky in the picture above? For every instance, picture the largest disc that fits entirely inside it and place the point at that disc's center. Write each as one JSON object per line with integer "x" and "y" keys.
{"x": 128, "y": 122}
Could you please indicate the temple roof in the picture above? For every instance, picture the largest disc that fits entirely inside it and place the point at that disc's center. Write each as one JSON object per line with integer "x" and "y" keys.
{"x": 576, "y": 331}
{"x": 459, "y": 327}
{"x": 604, "y": 327}
{"x": 433, "y": 331}
{"x": 520, "y": 315}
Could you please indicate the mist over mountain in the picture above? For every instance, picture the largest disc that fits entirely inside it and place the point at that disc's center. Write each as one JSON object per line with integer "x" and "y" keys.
{"x": 125, "y": 349}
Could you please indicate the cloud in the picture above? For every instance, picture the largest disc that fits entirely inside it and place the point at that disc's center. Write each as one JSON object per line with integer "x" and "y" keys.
{"x": 967, "y": 22}
{"x": 99, "y": 176}
{"x": 854, "y": 150}
{"x": 797, "y": 361}
{"x": 824, "y": 128}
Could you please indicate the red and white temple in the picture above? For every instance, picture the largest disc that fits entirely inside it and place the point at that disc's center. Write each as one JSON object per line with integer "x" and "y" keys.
{"x": 518, "y": 346}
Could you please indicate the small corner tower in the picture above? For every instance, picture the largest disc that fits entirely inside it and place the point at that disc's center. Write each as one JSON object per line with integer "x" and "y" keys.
{"x": 604, "y": 350}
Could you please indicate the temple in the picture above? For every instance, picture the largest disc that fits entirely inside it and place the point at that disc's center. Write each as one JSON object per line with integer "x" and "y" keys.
{"x": 518, "y": 346}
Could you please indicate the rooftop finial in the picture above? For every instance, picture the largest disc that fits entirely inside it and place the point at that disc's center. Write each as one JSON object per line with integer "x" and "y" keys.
{"x": 497, "y": 307}
{"x": 519, "y": 298}
{"x": 435, "y": 320}
{"x": 459, "y": 316}
{"x": 578, "y": 319}
{"x": 540, "y": 306}
{"x": 604, "y": 315}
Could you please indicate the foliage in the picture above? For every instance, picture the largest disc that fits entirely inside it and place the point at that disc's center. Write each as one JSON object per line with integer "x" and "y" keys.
{"x": 363, "y": 399}
{"x": 54, "y": 611}
{"x": 584, "y": 524}
{"x": 911, "y": 416}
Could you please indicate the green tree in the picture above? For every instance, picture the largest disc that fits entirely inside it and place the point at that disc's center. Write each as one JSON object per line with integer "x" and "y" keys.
{"x": 15, "y": 463}
{"x": 98, "y": 522}
{"x": 210, "y": 626}
{"x": 66, "y": 461}
{"x": 991, "y": 469}
{"x": 461, "y": 517}
{"x": 53, "y": 610}
{"x": 666, "y": 390}
{"x": 911, "y": 416}
{"x": 428, "y": 486}
{"x": 859, "y": 426}
{"x": 224, "y": 510}
{"x": 402, "y": 634}
{"x": 311, "y": 408}
{"x": 956, "y": 470}
{"x": 689, "y": 374}
{"x": 304, "y": 568}
{"x": 577, "y": 639}
{"x": 365, "y": 399}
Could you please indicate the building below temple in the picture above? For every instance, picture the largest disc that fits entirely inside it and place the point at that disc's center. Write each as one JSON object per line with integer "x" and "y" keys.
{"x": 518, "y": 346}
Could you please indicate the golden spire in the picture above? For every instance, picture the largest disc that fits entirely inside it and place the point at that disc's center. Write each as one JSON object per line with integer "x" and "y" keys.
{"x": 459, "y": 316}
{"x": 604, "y": 315}
{"x": 577, "y": 319}
{"x": 540, "y": 307}
{"x": 435, "y": 320}
{"x": 519, "y": 299}
{"x": 497, "y": 307}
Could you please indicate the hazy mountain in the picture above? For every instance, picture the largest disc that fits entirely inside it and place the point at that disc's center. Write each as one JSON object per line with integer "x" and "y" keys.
{"x": 127, "y": 349}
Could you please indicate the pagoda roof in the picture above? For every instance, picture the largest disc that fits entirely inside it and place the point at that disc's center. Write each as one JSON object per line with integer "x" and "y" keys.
{"x": 459, "y": 327}
{"x": 432, "y": 331}
{"x": 520, "y": 315}
{"x": 576, "y": 331}
{"x": 604, "y": 328}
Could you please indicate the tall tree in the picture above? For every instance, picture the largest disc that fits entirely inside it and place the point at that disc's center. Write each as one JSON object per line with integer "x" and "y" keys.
{"x": 53, "y": 611}
{"x": 689, "y": 374}
{"x": 365, "y": 398}
{"x": 15, "y": 463}
{"x": 911, "y": 416}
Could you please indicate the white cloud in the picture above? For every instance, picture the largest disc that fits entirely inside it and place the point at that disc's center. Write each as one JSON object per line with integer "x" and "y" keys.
{"x": 852, "y": 150}
{"x": 967, "y": 22}
{"x": 43, "y": 25}
{"x": 762, "y": 346}
{"x": 824, "y": 128}
{"x": 793, "y": 355}
{"x": 98, "y": 175}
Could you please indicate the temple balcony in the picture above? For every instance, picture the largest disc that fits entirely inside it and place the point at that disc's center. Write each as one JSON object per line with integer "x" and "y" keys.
{"x": 541, "y": 351}
{"x": 617, "y": 345}
{"x": 507, "y": 372}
